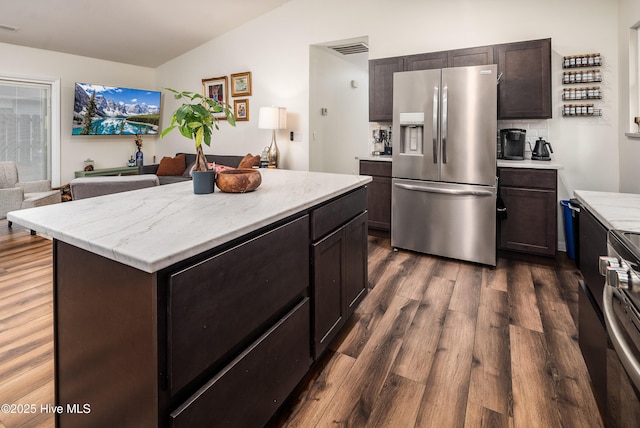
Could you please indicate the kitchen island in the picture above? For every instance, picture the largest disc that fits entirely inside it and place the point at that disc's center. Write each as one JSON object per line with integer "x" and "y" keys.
{"x": 600, "y": 213}
{"x": 175, "y": 309}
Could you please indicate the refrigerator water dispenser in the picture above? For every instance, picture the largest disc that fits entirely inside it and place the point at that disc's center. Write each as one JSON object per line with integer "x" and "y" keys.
{"x": 411, "y": 132}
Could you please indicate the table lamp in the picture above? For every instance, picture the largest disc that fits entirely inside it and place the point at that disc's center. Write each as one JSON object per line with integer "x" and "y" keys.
{"x": 273, "y": 118}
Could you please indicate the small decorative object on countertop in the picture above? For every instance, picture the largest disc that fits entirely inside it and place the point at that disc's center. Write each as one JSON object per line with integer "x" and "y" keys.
{"x": 239, "y": 180}
{"x": 196, "y": 119}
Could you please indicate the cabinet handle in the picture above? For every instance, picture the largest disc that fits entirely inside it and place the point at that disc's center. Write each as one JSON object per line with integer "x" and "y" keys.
{"x": 444, "y": 191}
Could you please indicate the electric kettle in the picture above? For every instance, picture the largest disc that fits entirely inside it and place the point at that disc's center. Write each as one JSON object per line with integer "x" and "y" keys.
{"x": 540, "y": 151}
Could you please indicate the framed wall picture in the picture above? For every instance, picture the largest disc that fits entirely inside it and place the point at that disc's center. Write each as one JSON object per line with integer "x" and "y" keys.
{"x": 241, "y": 110}
{"x": 241, "y": 84}
{"x": 216, "y": 88}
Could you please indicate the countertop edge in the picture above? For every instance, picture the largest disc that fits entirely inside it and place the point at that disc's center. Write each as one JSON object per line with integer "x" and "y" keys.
{"x": 614, "y": 210}
{"x": 168, "y": 258}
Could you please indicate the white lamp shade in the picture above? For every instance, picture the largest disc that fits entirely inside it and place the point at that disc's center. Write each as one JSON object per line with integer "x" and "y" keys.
{"x": 272, "y": 118}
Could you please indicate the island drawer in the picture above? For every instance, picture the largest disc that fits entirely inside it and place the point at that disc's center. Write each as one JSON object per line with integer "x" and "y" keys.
{"x": 253, "y": 386}
{"x": 528, "y": 177}
{"x": 218, "y": 306}
{"x": 336, "y": 213}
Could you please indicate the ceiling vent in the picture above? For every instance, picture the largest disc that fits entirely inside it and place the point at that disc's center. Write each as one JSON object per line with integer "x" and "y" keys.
{"x": 352, "y": 48}
{"x": 8, "y": 28}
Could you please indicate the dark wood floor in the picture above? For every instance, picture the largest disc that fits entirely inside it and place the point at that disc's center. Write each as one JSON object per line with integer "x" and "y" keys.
{"x": 437, "y": 343}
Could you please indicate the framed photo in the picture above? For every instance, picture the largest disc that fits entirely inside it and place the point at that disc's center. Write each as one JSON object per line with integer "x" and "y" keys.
{"x": 241, "y": 110}
{"x": 241, "y": 84}
{"x": 216, "y": 88}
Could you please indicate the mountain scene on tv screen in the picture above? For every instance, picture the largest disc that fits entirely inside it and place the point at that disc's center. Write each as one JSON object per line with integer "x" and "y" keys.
{"x": 109, "y": 110}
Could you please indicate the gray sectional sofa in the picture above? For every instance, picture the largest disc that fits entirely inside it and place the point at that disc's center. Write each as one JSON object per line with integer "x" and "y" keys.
{"x": 190, "y": 158}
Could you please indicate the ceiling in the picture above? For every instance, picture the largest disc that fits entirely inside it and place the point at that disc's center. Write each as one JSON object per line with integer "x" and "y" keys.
{"x": 140, "y": 32}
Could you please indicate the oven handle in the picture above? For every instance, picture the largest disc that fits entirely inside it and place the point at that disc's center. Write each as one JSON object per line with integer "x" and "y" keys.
{"x": 630, "y": 364}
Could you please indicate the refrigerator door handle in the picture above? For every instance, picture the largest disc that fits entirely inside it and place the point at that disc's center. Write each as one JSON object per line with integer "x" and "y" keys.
{"x": 445, "y": 123}
{"x": 434, "y": 130}
{"x": 444, "y": 191}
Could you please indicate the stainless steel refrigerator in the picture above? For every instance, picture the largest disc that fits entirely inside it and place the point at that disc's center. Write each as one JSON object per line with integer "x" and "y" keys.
{"x": 444, "y": 162}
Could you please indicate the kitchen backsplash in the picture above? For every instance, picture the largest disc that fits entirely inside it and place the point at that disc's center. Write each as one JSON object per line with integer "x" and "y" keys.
{"x": 535, "y": 129}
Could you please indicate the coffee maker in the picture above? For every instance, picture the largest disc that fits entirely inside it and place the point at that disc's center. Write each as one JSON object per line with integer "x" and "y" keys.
{"x": 511, "y": 144}
{"x": 381, "y": 141}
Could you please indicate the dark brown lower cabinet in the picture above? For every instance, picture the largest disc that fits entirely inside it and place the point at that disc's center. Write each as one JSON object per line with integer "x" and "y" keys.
{"x": 218, "y": 339}
{"x": 252, "y": 387}
{"x": 339, "y": 279}
{"x": 592, "y": 333}
{"x": 530, "y": 196}
{"x": 379, "y": 195}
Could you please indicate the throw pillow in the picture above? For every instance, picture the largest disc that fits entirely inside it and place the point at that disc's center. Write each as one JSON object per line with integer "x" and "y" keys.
{"x": 171, "y": 166}
{"x": 187, "y": 171}
{"x": 219, "y": 168}
{"x": 249, "y": 161}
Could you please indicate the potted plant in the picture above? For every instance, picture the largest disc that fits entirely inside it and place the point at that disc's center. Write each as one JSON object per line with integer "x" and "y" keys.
{"x": 196, "y": 119}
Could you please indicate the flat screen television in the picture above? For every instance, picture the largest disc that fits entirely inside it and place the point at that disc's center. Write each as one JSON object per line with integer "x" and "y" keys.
{"x": 112, "y": 110}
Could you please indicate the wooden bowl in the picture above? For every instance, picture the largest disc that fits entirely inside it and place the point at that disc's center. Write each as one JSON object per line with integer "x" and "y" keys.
{"x": 238, "y": 180}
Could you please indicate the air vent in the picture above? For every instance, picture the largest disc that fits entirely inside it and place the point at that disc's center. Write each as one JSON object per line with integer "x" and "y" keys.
{"x": 8, "y": 28}
{"x": 354, "y": 48}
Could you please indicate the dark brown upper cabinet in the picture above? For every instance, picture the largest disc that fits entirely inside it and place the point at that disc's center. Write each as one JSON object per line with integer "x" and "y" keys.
{"x": 524, "y": 91}
{"x": 426, "y": 61}
{"x": 482, "y": 55}
{"x": 381, "y": 87}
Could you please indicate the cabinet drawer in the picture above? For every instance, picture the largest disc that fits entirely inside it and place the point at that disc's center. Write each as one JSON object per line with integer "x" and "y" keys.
{"x": 379, "y": 168}
{"x": 528, "y": 177}
{"x": 250, "y": 389}
{"x": 219, "y": 304}
{"x": 334, "y": 214}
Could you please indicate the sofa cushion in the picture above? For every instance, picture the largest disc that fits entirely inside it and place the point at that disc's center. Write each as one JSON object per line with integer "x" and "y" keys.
{"x": 170, "y": 179}
{"x": 172, "y": 166}
{"x": 188, "y": 170}
{"x": 88, "y": 187}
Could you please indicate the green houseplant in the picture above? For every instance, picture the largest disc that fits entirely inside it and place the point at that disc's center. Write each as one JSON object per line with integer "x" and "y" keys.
{"x": 196, "y": 120}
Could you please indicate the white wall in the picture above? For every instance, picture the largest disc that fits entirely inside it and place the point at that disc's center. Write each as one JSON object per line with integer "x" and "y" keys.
{"x": 629, "y": 16}
{"x": 18, "y": 61}
{"x": 336, "y": 138}
{"x": 275, "y": 47}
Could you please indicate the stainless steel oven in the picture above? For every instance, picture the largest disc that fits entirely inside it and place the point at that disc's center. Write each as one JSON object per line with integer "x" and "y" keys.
{"x": 621, "y": 307}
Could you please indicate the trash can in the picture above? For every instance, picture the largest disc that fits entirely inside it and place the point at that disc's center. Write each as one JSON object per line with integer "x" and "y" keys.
{"x": 568, "y": 213}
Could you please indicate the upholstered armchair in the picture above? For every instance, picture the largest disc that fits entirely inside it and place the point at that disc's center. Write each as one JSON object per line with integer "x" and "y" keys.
{"x": 15, "y": 195}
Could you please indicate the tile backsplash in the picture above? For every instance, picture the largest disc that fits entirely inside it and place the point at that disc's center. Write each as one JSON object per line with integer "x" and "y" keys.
{"x": 535, "y": 129}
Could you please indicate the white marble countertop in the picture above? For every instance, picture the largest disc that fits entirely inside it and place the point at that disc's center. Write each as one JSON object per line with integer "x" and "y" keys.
{"x": 613, "y": 210}
{"x": 528, "y": 163}
{"x": 156, "y": 227}
{"x": 370, "y": 157}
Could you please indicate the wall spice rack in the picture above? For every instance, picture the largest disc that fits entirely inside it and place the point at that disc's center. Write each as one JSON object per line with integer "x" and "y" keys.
{"x": 586, "y": 73}
{"x": 583, "y": 60}
{"x": 591, "y": 93}
{"x": 582, "y": 76}
{"x": 578, "y": 110}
